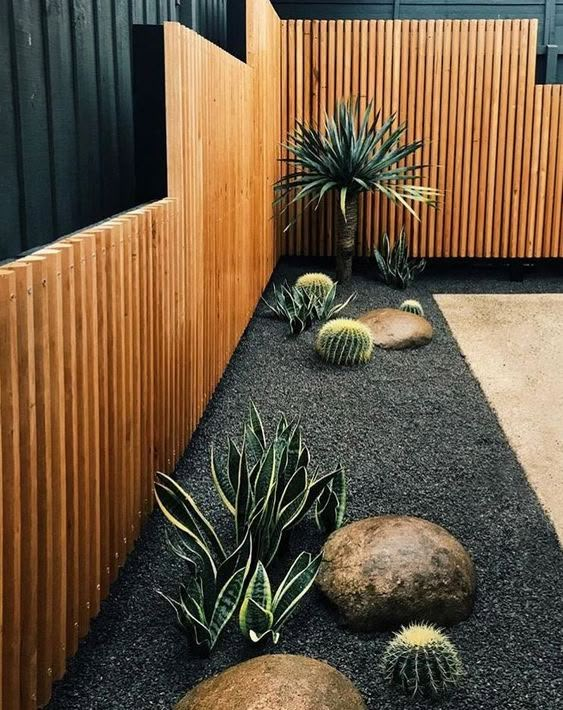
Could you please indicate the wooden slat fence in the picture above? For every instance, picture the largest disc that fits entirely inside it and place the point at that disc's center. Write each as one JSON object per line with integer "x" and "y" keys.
{"x": 494, "y": 140}
{"x": 112, "y": 342}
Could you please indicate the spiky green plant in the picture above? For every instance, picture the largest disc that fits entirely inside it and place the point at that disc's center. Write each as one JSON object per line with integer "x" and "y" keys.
{"x": 212, "y": 592}
{"x": 422, "y": 661}
{"x": 344, "y": 341}
{"x": 412, "y": 306}
{"x": 393, "y": 263}
{"x": 350, "y": 156}
{"x": 301, "y": 307}
{"x": 330, "y": 508}
{"x": 325, "y": 308}
{"x": 261, "y": 613}
{"x": 294, "y": 305}
{"x": 317, "y": 283}
{"x": 268, "y": 488}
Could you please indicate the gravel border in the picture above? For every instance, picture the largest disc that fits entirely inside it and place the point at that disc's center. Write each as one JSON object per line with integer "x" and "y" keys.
{"x": 417, "y": 437}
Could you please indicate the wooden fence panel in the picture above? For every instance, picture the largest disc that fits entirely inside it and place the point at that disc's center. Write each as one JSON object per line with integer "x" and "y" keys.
{"x": 113, "y": 340}
{"x": 467, "y": 87}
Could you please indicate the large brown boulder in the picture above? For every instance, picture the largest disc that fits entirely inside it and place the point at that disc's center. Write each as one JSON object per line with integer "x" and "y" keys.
{"x": 394, "y": 329}
{"x": 390, "y": 570}
{"x": 277, "y": 682}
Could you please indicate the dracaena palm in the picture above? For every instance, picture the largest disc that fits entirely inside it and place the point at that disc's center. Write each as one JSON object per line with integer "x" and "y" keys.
{"x": 350, "y": 156}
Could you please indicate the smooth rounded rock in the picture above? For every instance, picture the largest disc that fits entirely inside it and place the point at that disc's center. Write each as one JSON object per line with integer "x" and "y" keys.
{"x": 394, "y": 329}
{"x": 389, "y": 570}
{"x": 275, "y": 682}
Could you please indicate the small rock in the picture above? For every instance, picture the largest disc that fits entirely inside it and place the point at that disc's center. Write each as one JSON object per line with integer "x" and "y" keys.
{"x": 389, "y": 570}
{"x": 394, "y": 329}
{"x": 275, "y": 682}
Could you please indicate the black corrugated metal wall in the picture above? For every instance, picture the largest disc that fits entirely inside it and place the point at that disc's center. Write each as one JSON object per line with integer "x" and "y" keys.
{"x": 548, "y": 12}
{"x": 66, "y": 109}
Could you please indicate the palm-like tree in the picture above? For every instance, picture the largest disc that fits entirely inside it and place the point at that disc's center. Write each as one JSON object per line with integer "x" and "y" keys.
{"x": 349, "y": 157}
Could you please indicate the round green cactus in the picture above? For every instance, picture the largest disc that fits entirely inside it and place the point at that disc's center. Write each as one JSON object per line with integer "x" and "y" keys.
{"x": 422, "y": 661}
{"x": 411, "y": 306}
{"x": 315, "y": 283}
{"x": 344, "y": 341}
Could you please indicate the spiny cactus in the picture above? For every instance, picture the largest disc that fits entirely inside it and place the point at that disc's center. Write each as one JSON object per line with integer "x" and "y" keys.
{"x": 422, "y": 661}
{"x": 344, "y": 341}
{"x": 411, "y": 306}
{"x": 316, "y": 283}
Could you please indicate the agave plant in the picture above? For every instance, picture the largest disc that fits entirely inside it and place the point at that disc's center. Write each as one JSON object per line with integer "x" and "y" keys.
{"x": 212, "y": 593}
{"x": 262, "y": 614}
{"x": 352, "y": 155}
{"x": 301, "y": 307}
{"x": 268, "y": 489}
{"x": 293, "y": 304}
{"x": 393, "y": 263}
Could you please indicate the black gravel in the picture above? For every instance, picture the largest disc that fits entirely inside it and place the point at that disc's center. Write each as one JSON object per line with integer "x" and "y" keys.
{"x": 417, "y": 437}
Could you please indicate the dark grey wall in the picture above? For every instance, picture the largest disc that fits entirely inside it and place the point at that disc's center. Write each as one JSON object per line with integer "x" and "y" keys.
{"x": 66, "y": 109}
{"x": 548, "y": 12}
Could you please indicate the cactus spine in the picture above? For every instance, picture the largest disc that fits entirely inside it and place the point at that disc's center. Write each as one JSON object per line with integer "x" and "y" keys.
{"x": 344, "y": 341}
{"x": 422, "y": 661}
{"x": 315, "y": 283}
{"x": 411, "y": 306}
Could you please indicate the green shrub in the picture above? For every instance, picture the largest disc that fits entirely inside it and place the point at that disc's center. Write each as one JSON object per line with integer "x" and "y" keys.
{"x": 393, "y": 263}
{"x": 344, "y": 341}
{"x": 412, "y": 306}
{"x": 262, "y": 614}
{"x": 422, "y": 661}
{"x": 317, "y": 283}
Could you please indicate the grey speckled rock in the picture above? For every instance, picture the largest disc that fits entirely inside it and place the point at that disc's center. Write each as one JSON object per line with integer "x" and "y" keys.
{"x": 389, "y": 570}
{"x": 276, "y": 682}
{"x": 394, "y": 329}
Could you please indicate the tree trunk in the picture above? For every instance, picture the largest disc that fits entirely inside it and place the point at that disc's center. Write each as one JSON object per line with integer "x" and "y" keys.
{"x": 346, "y": 238}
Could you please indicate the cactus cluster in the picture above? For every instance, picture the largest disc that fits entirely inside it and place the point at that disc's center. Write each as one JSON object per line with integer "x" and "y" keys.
{"x": 315, "y": 283}
{"x": 344, "y": 341}
{"x": 411, "y": 306}
{"x": 422, "y": 661}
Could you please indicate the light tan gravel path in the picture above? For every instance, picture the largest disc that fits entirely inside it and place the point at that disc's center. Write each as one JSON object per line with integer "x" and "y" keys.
{"x": 514, "y": 346}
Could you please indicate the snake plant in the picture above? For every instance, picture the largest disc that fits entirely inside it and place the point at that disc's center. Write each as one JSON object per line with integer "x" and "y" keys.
{"x": 301, "y": 307}
{"x": 212, "y": 592}
{"x": 330, "y": 507}
{"x": 393, "y": 263}
{"x": 268, "y": 489}
{"x": 261, "y": 613}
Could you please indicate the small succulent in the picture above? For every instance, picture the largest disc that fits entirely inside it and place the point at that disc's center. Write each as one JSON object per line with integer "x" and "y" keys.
{"x": 344, "y": 341}
{"x": 317, "y": 283}
{"x": 422, "y": 661}
{"x": 294, "y": 305}
{"x": 393, "y": 263}
{"x": 301, "y": 307}
{"x": 412, "y": 306}
{"x": 330, "y": 508}
{"x": 261, "y": 613}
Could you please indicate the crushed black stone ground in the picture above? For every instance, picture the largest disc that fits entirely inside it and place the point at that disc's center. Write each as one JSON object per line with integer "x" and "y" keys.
{"x": 417, "y": 437}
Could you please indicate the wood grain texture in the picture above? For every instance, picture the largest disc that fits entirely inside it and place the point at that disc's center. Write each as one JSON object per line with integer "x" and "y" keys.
{"x": 467, "y": 88}
{"x": 113, "y": 340}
